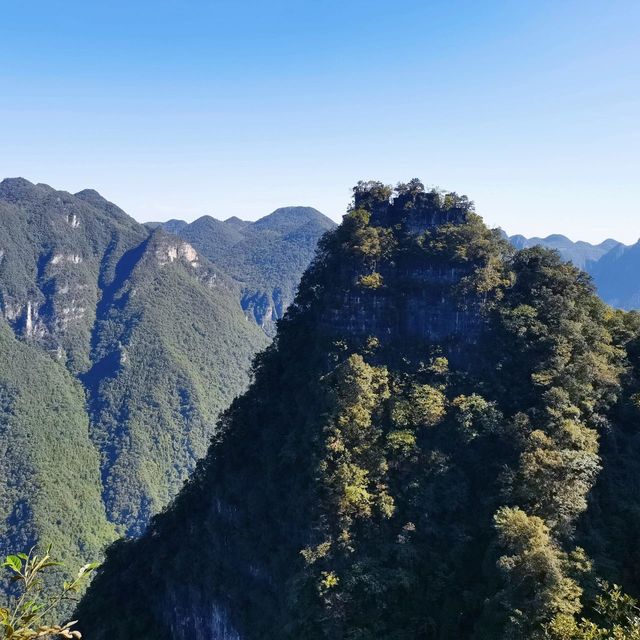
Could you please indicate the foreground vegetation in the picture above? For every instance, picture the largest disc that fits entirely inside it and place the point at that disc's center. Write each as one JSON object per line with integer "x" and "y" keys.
{"x": 34, "y": 604}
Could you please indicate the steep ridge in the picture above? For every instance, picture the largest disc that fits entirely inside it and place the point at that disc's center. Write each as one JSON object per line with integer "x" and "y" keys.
{"x": 174, "y": 349}
{"x": 58, "y": 251}
{"x": 266, "y": 257}
{"x": 411, "y": 459}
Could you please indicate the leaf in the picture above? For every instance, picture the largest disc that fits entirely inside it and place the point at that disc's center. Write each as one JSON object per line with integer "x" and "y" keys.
{"x": 14, "y": 563}
{"x": 23, "y": 556}
{"x": 87, "y": 568}
{"x": 28, "y": 606}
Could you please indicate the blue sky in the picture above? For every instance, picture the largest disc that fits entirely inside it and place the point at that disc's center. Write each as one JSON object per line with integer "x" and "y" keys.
{"x": 180, "y": 108}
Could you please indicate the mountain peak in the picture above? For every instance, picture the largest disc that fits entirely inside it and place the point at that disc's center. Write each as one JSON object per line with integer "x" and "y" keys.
{"x": 14, "y": 189}
{"x": 236, "y": 222}
{"x": 293, "y": 216}
{"x": 15, "y": 183}
{"x": 91, "y": 196}
{"x": 174, "y": 225}
{"x": 410, "y": 205}
{"x": 557, "y": 237}
{"x": 370, "y": 454}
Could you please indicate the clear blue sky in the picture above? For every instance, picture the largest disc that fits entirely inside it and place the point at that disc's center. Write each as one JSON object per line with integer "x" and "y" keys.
{"x": 180, "y": 108}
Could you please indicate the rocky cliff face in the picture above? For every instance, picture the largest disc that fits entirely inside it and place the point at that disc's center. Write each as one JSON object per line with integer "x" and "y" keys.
{"x": 190, "y": 613}
{"x": 60, "y": 251}
{"x": 419, "y": 298}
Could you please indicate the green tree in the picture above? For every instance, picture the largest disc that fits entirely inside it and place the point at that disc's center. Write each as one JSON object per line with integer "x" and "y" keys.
{"x": 614, "y": 616}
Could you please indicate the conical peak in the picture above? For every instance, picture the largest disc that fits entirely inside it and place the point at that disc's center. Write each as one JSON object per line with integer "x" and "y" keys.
{"x": 410, "y": 205}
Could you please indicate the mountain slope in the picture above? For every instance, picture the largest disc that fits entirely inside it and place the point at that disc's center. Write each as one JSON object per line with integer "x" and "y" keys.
{"x": 174, "y": 350}
{"x": 613, "y": 266}
{"x": 58, "y": 251}
{"x": 411, "y": 459}
{"x": 617, "y": 276}
{"x": 152, "y": 330}
{"x": 267, "y": 257}
{"x": 50, "y": 486}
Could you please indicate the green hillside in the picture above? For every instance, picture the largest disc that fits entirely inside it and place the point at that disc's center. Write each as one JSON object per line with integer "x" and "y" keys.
{"x": 50, "y": 486}
{"x": 152, "y": 331}
{"x": 58, "y": 251}
{"x": 174, "y": 349}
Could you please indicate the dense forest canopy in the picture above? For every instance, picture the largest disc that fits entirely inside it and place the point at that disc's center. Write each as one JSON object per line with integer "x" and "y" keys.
{"x": 439, "y": 443}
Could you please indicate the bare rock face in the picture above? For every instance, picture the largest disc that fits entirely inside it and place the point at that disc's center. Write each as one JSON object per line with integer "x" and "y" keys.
{"x": 426, "y": 312}
{"x": 418, "y": 212}
{"x": 171, "y": 249}
{"x": 264, "y": 308}
{"x": 190, "y": 615}
{"x": 72, "y": 258}
{"x": 59, "y": 251}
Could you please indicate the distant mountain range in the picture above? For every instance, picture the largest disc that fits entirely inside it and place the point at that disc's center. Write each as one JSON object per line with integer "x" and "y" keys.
{"x": 615, "y": 267}
{"x": 266, "y": 257}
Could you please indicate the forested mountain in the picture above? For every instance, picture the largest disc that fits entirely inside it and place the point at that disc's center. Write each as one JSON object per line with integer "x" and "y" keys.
{"x": 172, "y": 348}
{"x": 267, "y": 257}
{"x": 57, "y": 252}
{"x": 157, "y": 343}
{"x": 439, "y": 443}
{"x": 50, "y": 474}
{"x": 614, "y": 267}
{"x": 617, "y": 276}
